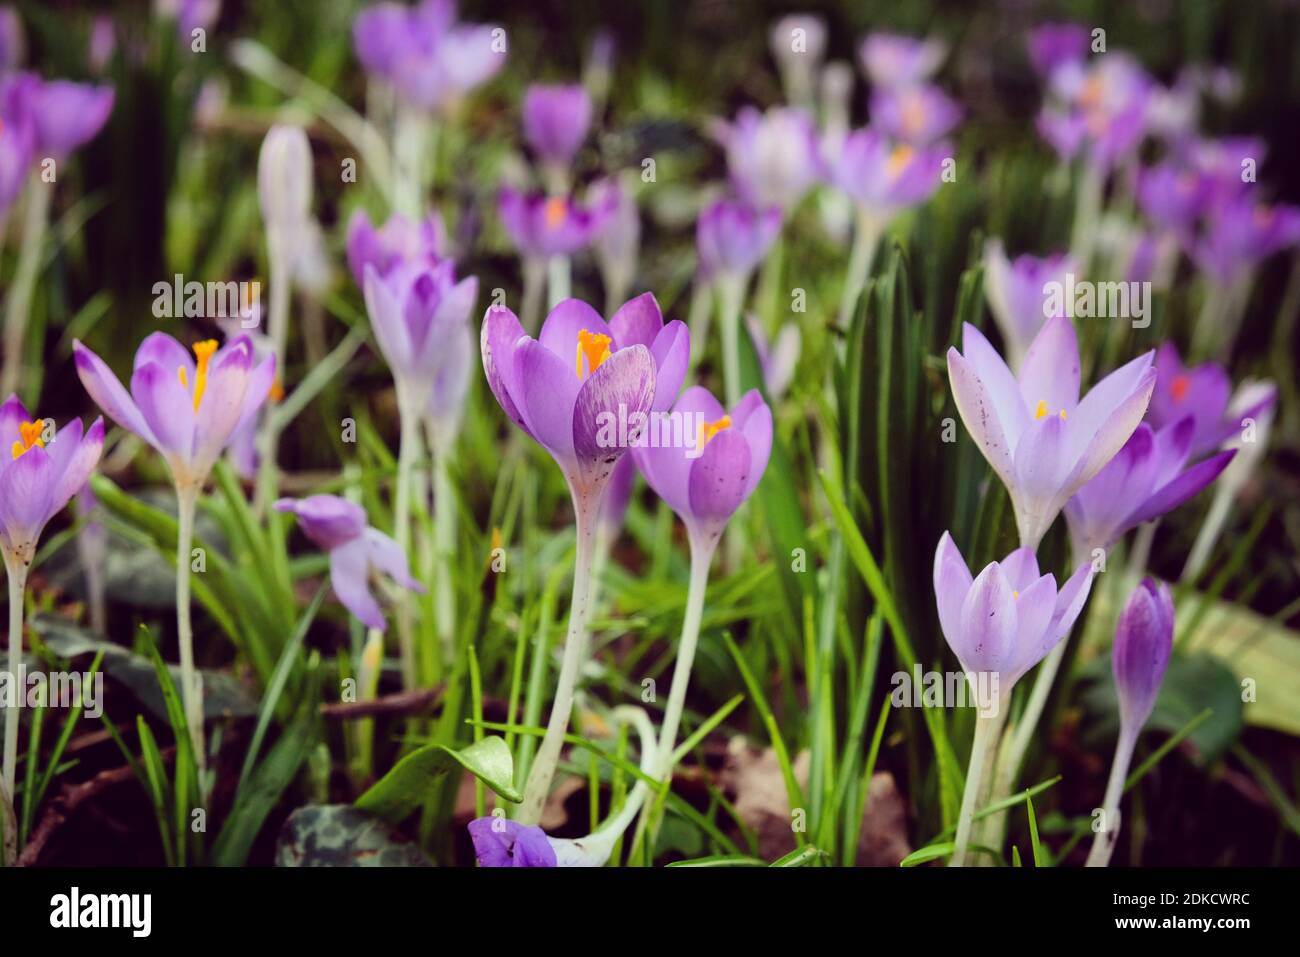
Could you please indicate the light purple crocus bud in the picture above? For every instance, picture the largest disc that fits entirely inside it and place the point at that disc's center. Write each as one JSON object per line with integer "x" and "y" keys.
{"x": 1143, "y": 481}
{"x": 798, "y": 44}
{"x": 284, "y": 182}
{"x": 1005, "y": 620}
{"x": 893, "y": 60}
{"x": 398, "y": 241}
{"x": 884, "y": 178}
{"x": 1054, "y": 45}
{"x": 773, "y": 157}
{"x": 542, "y": 226}
{"x": 556, "y": 120}
{"x": 1202, "y": 393}
{"x": 1144, "y": 639}
{"x": 37, "y": 481}
{"x": 355, "y": 551}
{"x": 1101, "y": 105}
{"x": 617, "y": 245}
{"x": 12, "y": 41}
{"x": 502, "y": 843}
{"x": 732, "y": 238}
{"x": 1042, "y": 440}
{"x": 416, "y": 311}
{"x": 187, "y": 410}
{"x": 1017, "y": 294}
{"x": 573, "y": 387}
{"x": 778, "y": 361}
{"x": 714, "y": 470}
{"x": 68, "y": 115}
{"x": 916, "y": 115}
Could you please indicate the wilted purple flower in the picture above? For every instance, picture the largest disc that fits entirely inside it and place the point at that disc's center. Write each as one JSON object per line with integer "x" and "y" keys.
{"x": 1144, "y": 639}
{"x": 773, "y": 157}
{"x": 1017, "y": 294}
{"x": 1039, "y": 437}
{"x": 884, "y": 178}
{"x": 398, "y": 241}
{"x": 502, "y": 843}
{"x": 732, "y": 237}
{"x": 556, "y": 120}
{"x": 69, "y": 115}
{"x": 186, "y": 410}
{"x": 916, "y": 115}
{"x": 415, "y": 311}
{"x": 895, "y": 60}
{"x": 1201, "y": 393}
{"x": 1240, "y": 233}
{"x": 778, "y": 361}
{"x": 355, "y": 550}
{"x": 1054, "y": 45}
{"x": 543, "y": 226}
{"x": 1143, "y": 481}
{"x": 706, "y": 482}
{"x": 565, "y": 387}
{"x": 36, "y": 482}
{"x": 427, "y": 56}
{"x": 1006, "y": 619}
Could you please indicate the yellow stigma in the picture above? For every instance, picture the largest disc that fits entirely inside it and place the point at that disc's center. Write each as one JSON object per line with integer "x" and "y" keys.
{"x": 31, "y": 437}
{"x": 709, "y": 429}
{"x": 595, "y": 347}
{"x": 1042, "y": 410}
{"x": 899, "y": 158}
{"x": 203, "y": 353}
{"x": 556, "y": 211}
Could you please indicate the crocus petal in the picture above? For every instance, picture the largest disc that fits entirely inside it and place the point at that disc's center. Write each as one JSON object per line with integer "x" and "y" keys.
{"x": 754, "y": 419}
{"x": 1041, "y": 462}
{"x": 1001, "y": 385}
{"x": 638, "y": 321}
{"x": 1070, "y": 601}
{"x": 1021, "y": 568}
{"x": 162, "y": 350}
{"x": 1051, "y": 369}
{"x": 560, "y": 330}
{"x": 718, "y": 479}
{"x": 168, "y": 408}
{"x": 1143, "y": 643}
{"x": 1104, "y": 400}
{"x": 75, "y": 456}
{"x": 328, "y": 520}
{"x": 671, "y": 351}
{"x": 502, "y": 843}
{"x": 1112, "y": 432}
{"x": 1181, "y": 489}
{"x": 1035, "y": 606}
{"x": 387, "y": 319}
{"x": 388, "y": 557}
{"x": 952, "y": 580}
{"x": 623, "y": 385}
{"x": 27, "y": 488}
{"x": 260, "y": 382}
{"x": 497, "y": 340}
{"x": 975, "y": 406}
{"x": 668, "y": 470}
{"x": 12, "y": 414}
{"x": 349, "y": 570}
{"x": 545, "y": 391}
{"x": 222, "y": 404}
{"x": 990, "y": 625}
{"x": 109, "y": 394}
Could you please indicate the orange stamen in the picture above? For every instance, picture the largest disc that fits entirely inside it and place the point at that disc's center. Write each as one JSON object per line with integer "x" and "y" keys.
{"x": 709, "y": 429}
{"x": 1179, "y": 387}
{"x": 595, "y": 347}
{"x": 203, "y": 352}
{"x": 556, "y": 212}
{"x": 31, "y": 437}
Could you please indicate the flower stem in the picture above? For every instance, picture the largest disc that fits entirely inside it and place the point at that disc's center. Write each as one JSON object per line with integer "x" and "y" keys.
{"x": 866, "y": 236}
{"x": 444, "y": 540}
{"x": 17, "y": 571}
{"x": 24, "y": 281}
{"x": 1103, "y": 845}
{"x": 534, "y": 281}
{"x": 984, "y": 728}
{"x": 1087, "y": 208}
{"x": 731, "y": 301}
{"x": 407, "y": 453}
{"x": 558, "y": 280}
{"x": 187, "y": 498}
{"x": 587, "y": 512}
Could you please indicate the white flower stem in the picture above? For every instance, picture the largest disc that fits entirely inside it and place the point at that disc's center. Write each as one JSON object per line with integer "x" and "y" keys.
{"x": 19, "y": 305}
{"x": 16, "y": 567}
{"x": 866, "y": 236}
{"x": 534, "y": 285}
{"x": 731, "y": 301}
{"x": 985, "y": 728}
{"x": 407, "y": 453}
{"x": 587, "y": 512}
{"x": 1087, "y": 208}
{"x": 1103, "y": 845}
{"x": 187, "y": 497}
{"x": 558, "y": 280}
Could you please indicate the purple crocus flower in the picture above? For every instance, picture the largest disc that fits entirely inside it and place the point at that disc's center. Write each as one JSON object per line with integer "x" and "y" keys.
{"x": 556, "y": 120}
{"x": 68, "y": 115}
{"x": 36, "y": 482}
{"x": 565, "y": 387}
{"x": 895, "y": 60}
{"x": 1006, "y": 619}
{"x": 1143, "y": 481}
{"x": 773, "y": 157}
{"x": 355, "y": 550}
{"x": 778, "y": 360}
{"x": 1144, "y": 639}
{"x": 705, "y": 481}
{"x": 1017, "y": 296}
{"x": 397, "y": 241}
{"x": 1173, "y": 197}
{"x": 732, "y": 237}
{"x": 17, "y": 133}
{"x": 1100, "y": 106}
{"x": 1054, "y": 45}
{"x": 1039, "y": 437}
{"x": 542, "y": 226}
{"x": 502, "y": 843}
{"x": 1202, "y": 393}
{"x": 884, "y": 178}
{"x": 1240, "y": 233}
{"x": 186, "y": 409}
{"x": 916, "y": 115}
{"x": 415, "y": 309}
{"x": 427, "y": 56}
{"x": 617, "y": 245}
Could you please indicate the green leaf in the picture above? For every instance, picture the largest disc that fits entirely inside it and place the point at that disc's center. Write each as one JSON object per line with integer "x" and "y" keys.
{"x": 800, "y": 857}
{"x": 1033, "y": 831}
{"x": 722, "y": 860}
{"x": 407, "y": 785}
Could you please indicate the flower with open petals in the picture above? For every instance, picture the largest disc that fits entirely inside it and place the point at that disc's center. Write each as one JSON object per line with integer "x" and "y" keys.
{"x": 1016, "y": 291}
{"x": 773, "y": 157}
{"x": 1144, "y": 481}
{"x": 711, "y": 474}
{"x": 882, "y": 177}
{"x": 896, "y": 60}
{"x": 565, "y": 387}
{"x": 542, "y": 226}
{"x": 1043, "y": 441}
{"x": 732, "y": 238}
{"x": 556, "y": 120}
{"x": 917, "y": 115}
{"x": 1204, "y": 394}
{"x": 186, "y": 407}
{"x": 36, "y": 480}
{"x": 355, "y": 550}
{"x": 1006, "y": 619}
